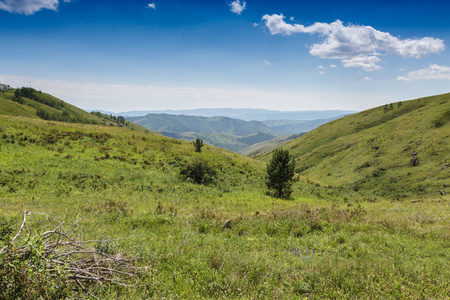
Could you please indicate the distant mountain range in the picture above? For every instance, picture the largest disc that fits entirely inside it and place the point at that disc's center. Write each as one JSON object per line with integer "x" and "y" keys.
{"x": 246, "y": 114}
{"x": 228, "y": 133}
{"x": 231, "y": 128}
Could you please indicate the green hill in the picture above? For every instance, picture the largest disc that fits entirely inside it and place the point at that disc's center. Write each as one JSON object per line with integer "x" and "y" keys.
{"x": 201, "y": 125}
{"x": 373, "y": 151}
{"x": 30, "y": 103}
{"x": 223, "y": 140}
{"x": 227, "y": 133}
{"x": 121, "y": 192}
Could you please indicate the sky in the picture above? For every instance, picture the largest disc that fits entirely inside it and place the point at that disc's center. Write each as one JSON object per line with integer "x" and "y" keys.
{"x": 172, "y": 54}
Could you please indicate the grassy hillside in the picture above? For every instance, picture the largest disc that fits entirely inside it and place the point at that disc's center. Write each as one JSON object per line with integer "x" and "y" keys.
{"x": 227, "y": 239}
{"x": 28, "y": 102}
{"x": 371, "y": 151}
{"x": 223, "y": 140}
{"x": 223, "y": 132}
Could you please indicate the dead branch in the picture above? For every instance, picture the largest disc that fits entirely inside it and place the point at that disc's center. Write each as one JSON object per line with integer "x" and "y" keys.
{"x": 25, "y": 214}
{"x": 83, "y": 261}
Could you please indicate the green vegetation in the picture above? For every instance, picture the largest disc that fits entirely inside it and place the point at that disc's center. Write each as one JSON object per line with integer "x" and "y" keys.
{"x": 371, "y": 152}
{"x": 280, "y": 173}
{"x": 198, "y": 145}
{"x": 223, "y": 132}
{"x": 30, "y": 103}
{"x": 226, "y": 238}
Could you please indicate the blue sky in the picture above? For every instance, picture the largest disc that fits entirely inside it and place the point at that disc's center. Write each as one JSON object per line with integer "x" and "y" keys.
{"x": 284, "y": 55}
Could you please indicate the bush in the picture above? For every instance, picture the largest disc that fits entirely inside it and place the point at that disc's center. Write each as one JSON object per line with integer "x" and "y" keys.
{"x": 199, "y": 172}
{"x": 280, "y": 173}
{"x": 25, "y": 275}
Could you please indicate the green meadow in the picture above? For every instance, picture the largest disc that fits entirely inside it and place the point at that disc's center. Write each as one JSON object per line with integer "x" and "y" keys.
{"x": 229, "y": 238}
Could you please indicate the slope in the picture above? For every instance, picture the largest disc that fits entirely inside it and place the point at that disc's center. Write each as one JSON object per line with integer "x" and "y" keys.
{"x": 28, "y": 102}
{"x": 223, "y": 132}
{"x": 374, "y": 151}
{"x": 120, "y": 191}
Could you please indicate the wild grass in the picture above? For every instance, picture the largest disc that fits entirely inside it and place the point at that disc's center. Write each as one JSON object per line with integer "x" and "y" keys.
{"x": 371, "y": 152}
{"x": 227, "y": 239}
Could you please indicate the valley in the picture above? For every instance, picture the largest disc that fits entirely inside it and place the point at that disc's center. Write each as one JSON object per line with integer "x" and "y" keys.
{"x": 362, "y": 222}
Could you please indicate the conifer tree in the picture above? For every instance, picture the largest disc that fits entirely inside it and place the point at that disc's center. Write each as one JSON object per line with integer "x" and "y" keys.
{"x": 280, "y": 173}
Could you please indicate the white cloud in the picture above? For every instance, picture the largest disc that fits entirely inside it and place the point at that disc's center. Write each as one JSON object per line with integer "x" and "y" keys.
{"x": 355, "y": 45}
{"x": 433, "y": 72}
{"x": 322, "y": 67}
{"x": 368, "y": 63}
{"x": 322, "y": 72}
{"x": 333, "y": 66}
{"x": 28, "y": 7}
{"x": 367, "y": 78}
{"x": 237, "y": 7}
{"x": 292, "y": 18}
{"x": 151, "y": 5}
{"x": 268, "y": 63}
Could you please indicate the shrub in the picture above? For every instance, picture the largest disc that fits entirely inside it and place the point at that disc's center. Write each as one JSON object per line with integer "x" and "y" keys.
{"x": 199, "y": 172}
{"x": 25, "y": 275}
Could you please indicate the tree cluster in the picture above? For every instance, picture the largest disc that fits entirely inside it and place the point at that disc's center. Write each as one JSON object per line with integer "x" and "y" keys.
{"x": 110, "y": 117}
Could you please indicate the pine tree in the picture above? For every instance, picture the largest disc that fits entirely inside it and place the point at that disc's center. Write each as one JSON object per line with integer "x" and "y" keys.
{"x": 280, "y": 173}
{"x": 198, "y": 144}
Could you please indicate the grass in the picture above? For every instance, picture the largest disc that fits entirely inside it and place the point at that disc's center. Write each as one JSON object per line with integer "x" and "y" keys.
{"x": 227, "y": 239}
{"x": 371, "y": 151}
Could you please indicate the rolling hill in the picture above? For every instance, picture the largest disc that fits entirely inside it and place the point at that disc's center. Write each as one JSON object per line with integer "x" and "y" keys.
{"x": 227, "y": 133}
{"x": 30, "y": 103}
{"x": 397, "y": 150}
{"x": 121, "y": 192}
{"x": 201, "y": 125}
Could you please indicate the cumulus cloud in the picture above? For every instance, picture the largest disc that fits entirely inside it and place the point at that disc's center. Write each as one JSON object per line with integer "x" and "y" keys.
{"x": 322, "y": 67}
{"x": 433, "y": 72}
{"x": 267, "y": 63}
{"x": 237, "y": 7}
{"x": 28, "y": 7}
{"x": 367, "y": 78}
{"x": 151, "y": 5}
{"x": 333, "y": 66}
{"x": 368, "y": 63}
{"x": 355, "y": 45}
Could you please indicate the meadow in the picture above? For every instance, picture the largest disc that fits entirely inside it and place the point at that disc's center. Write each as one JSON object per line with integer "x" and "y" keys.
{"x": 227, "y": 239}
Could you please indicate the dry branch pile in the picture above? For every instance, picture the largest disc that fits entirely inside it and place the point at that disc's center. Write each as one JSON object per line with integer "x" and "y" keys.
{"x": 83, "y": 262}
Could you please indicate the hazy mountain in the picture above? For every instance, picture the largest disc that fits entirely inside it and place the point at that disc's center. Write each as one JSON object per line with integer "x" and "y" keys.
{"x": 202, "y": 125}
{"x": 247, "y": 114}
{"x": 296, "y": 126}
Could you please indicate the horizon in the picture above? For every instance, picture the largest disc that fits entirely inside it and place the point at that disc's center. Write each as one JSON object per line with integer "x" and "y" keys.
{"x": 173, "y": 55}
{"x": 226, "y": 108}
